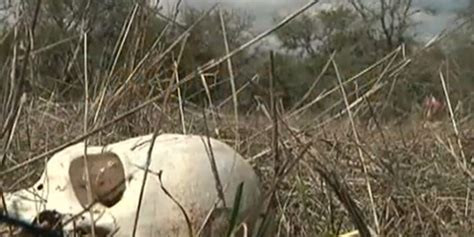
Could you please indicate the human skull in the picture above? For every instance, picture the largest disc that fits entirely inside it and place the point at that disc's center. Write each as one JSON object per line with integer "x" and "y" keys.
{"x": 116, "y": 174}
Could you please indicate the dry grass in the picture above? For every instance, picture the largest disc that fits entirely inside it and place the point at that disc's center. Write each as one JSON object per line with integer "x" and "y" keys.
{"x": 418, "y": 186}
{"x": 329, "y": 173}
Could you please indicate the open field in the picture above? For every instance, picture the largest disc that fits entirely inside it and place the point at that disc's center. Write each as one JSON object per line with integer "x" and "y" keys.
{"x": 418, "y": 183}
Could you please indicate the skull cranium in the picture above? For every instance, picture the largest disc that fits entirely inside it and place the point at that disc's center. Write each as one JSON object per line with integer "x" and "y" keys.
{"x": 116, "y": 173}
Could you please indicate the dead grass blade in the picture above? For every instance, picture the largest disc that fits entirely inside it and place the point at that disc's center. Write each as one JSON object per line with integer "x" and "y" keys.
{"x": 148, "y": 161}
{"x": 212, "y": 161}
{"x": 232, "y": 82}
{"x": 186, "y": 216}
{"x": 361, "y": 154}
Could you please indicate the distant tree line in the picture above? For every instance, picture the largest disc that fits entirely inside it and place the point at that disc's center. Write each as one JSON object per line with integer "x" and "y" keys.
{"x": 358, "y": 34}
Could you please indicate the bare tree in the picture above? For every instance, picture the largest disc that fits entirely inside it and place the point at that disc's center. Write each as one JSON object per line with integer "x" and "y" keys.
{"x": 467, "y": 14}
{"x": 389, "y": 19}
{"x": 325, "y": 31}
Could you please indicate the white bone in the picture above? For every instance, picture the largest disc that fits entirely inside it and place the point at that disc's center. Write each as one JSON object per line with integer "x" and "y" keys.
{"x": 187, "y": 175}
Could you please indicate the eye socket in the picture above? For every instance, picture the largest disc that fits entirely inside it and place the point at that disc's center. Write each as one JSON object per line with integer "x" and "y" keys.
{"x": 39, "y": 187}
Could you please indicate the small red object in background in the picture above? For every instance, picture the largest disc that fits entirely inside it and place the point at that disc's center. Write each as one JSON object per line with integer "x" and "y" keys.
{"x": 433, "y": 107}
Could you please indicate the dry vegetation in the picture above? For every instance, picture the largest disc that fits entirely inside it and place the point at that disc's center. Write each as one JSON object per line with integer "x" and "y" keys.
{"x": 325, "y": 173}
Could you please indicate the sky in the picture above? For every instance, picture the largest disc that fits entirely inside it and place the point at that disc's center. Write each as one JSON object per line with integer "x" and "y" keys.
{"x": 434, "y": 16}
